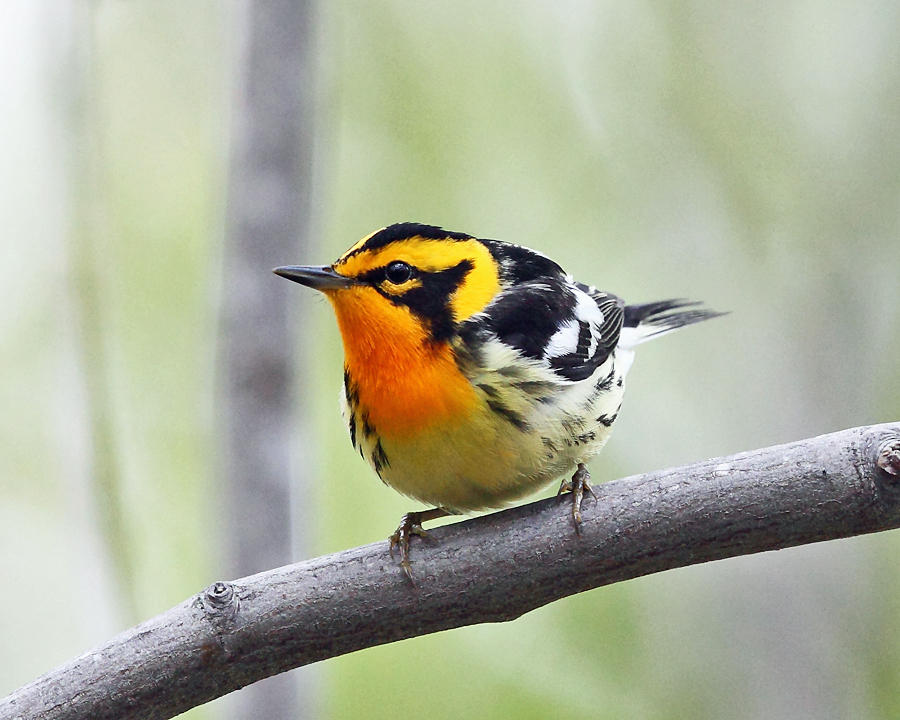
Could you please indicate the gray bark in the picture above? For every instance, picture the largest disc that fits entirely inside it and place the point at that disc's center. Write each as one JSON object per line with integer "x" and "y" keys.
{"x": 489, "y": 569}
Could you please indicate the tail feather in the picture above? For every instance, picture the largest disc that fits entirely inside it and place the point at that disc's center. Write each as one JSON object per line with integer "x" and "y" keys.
{"x": 650, "y": 320}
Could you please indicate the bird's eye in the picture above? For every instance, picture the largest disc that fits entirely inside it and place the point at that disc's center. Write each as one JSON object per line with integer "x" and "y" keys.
{"x": 398, "y": 272}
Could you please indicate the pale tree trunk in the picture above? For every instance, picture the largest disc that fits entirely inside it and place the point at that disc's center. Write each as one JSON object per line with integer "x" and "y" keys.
{"x": 267, "y": 205}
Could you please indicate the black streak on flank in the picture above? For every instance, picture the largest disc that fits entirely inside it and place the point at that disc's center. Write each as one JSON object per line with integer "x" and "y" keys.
{"x": 379, "y": 458}
{"x": 607, "y": 420}
{"x": 551, "y": 448}
{"x": 368, "y": 430}
{"x": 352, "y": 398}
{"x": 352, "y": 427}
{"x": 572, "y": 425}
{"x": 508, "y": 414}
{"x": 534, "y": 387}
{"x": 350, "y": 392}
{"x": 487, "y": 389}
{"x": 605, "y": 383}
{"x": 621, "y": 381}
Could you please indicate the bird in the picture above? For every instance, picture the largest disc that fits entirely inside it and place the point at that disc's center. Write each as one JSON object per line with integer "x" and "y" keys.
{"x": 478, "y": 371}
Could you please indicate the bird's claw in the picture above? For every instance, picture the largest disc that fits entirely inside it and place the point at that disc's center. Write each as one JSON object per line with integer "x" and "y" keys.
{"x": 410, "y": 524}
{"x": 578, "y": 486}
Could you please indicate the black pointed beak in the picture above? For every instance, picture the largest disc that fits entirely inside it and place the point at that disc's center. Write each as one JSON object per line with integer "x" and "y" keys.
{"x": 320, "y": 277}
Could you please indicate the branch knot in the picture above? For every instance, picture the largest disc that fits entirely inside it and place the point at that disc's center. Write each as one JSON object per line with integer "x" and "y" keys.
{"x": 888, "y": 459}
{"x": 220, "y": 601}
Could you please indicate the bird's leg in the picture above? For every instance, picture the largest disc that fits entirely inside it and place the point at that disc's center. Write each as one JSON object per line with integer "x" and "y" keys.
{"x": 578, "y": 486}
{"x": 411, "y": 524}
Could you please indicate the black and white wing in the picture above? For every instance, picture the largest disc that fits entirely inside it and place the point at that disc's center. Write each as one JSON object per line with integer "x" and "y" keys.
{"x": 586, "y": 340}
{"x": 570, "y": 326}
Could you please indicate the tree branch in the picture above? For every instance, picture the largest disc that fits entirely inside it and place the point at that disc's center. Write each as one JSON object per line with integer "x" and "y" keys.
{"x": 489, "y": 569}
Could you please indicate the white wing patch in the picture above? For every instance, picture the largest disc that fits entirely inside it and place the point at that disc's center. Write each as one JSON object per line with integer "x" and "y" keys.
{"x": 587, "y": 311}
{"x": 565, "y": 341}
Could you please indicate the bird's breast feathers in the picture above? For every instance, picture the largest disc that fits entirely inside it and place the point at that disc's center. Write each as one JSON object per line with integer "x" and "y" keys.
{"x": 538, "y": 407}
{"x": 476, "y": 370}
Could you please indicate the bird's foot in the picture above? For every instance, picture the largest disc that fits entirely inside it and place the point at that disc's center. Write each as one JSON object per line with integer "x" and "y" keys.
{"x": 578, "y": 486}
{"x": 411, "y": 524}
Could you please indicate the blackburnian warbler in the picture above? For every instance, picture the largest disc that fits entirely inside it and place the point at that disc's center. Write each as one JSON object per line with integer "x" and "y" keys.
{"x": 477, "y": 371}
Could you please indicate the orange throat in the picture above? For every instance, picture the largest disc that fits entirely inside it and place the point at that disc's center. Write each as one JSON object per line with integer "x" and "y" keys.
{"x": 406, "y": 383}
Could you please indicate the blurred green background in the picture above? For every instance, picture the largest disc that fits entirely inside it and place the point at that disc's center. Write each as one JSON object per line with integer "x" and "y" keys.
{"x": 745, "y": 154}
